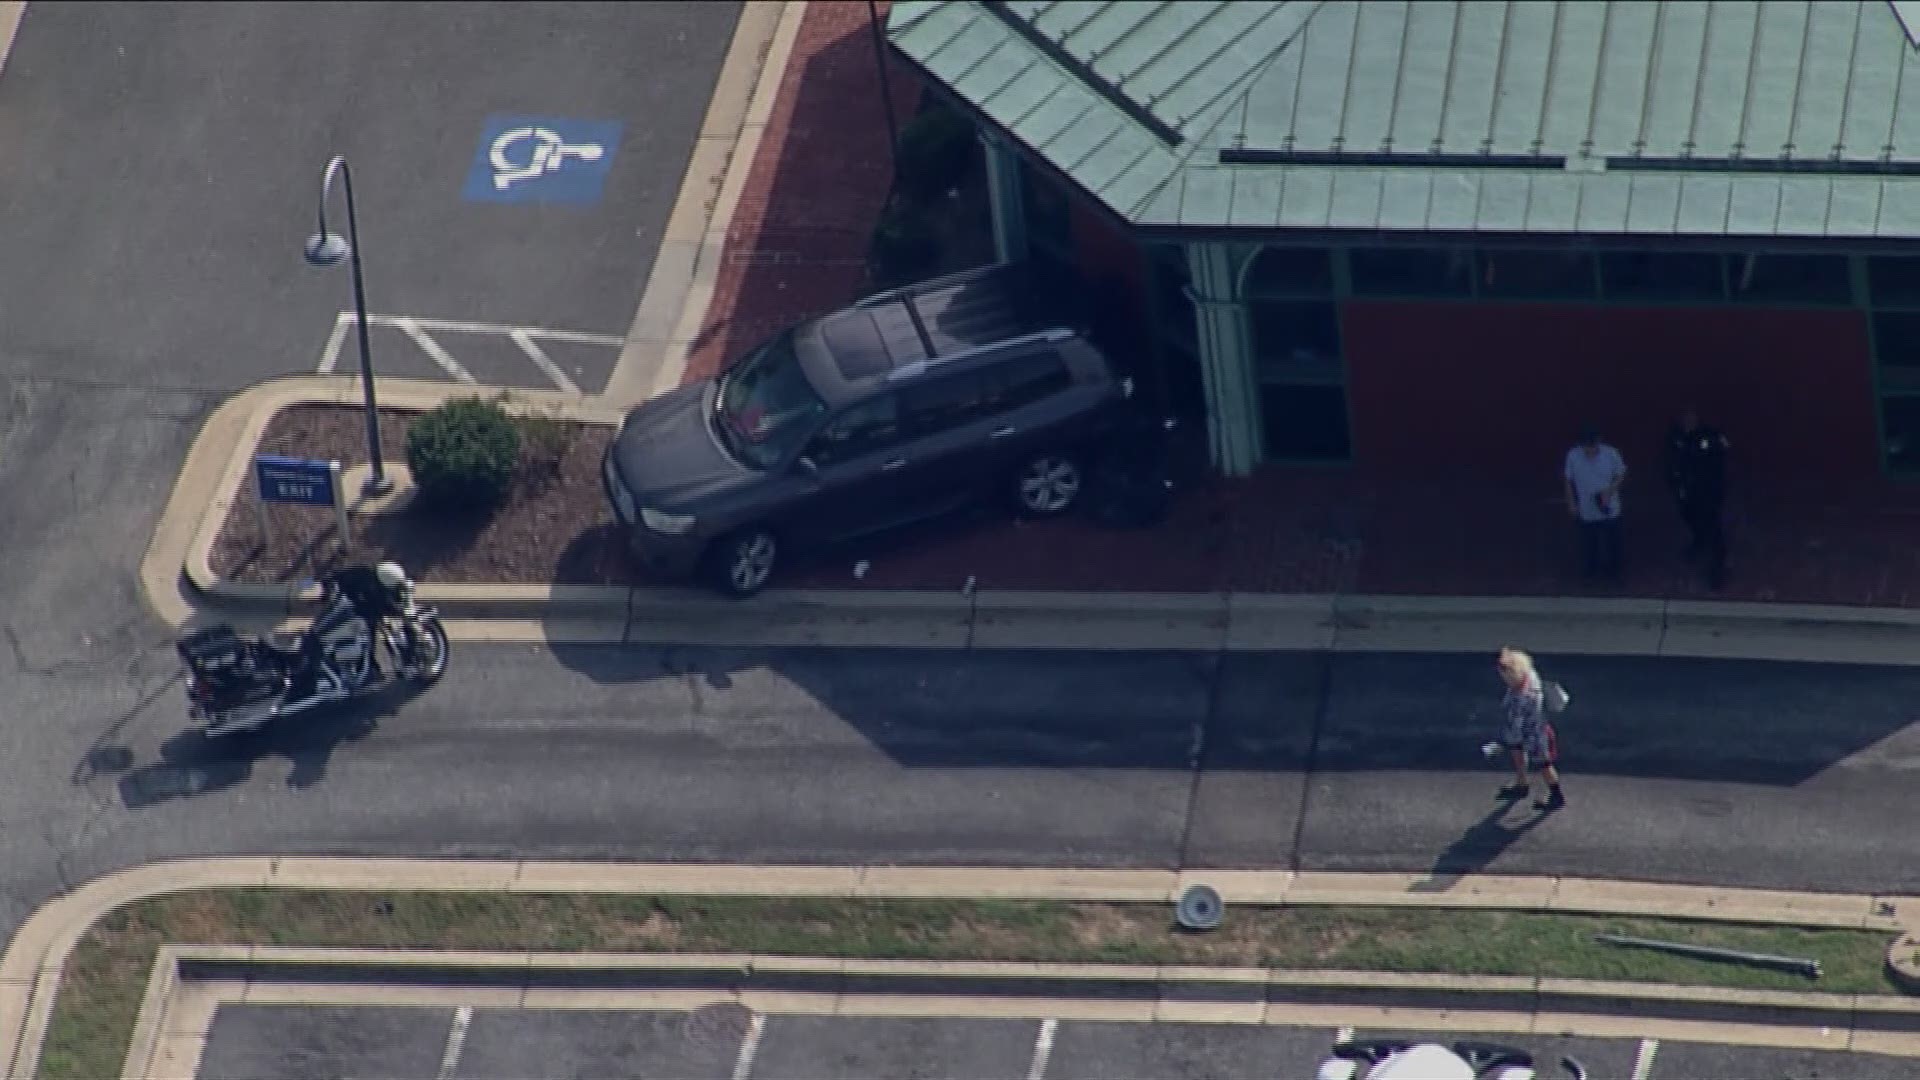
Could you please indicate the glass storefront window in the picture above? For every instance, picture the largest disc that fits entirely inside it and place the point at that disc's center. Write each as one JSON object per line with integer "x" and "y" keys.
{"x": 1894, "y": 280}
{"x": 1291, "y": 271}
{"x": 1305, "y": 423}
{"x": 1537, "y": 274}
{"x": 1900, "y": 428}
{"x": 1295, "y": 340}
{"x": 1172, "y": 308}
{"x": 1662, "y": 276}
{"x": 1789, "y": 278}
{"x": 1413, "y": 271}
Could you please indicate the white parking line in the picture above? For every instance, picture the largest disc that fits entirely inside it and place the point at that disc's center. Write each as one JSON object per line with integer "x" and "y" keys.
{"x": 527, "y": 339}
{"x": 539, "y": 357}
{"x": 1042, "y": 1048}
{"x": 1643, "y": 1065}
{"x": 331, "y": 354}
{"x": 455, "y": 326}
{"x": 432, "y": 348}
{"x": 456, "y": 1038}
{"x": 749, "y": 1046}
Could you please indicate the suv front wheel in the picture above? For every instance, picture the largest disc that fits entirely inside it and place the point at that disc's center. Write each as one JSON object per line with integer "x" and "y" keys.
{"x": 1047, "y": 485}
{"x": 742, "y": 563}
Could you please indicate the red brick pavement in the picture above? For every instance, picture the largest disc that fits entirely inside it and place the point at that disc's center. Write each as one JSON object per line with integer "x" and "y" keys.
{"x": 797, "y": 244}
{"x": 795, "y": 249}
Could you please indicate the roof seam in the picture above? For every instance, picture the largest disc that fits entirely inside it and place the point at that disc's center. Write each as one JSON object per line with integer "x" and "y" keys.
{"x": 1084, "y": 72}
{"x": 1699, "y": 83}
{"x": 1799, "y": 83}
{"x": 1499, "y": 76}
{"x": 1846, "y": 89}
{"x": 1244, "y": 85}
{"x": 1173, "y": 41}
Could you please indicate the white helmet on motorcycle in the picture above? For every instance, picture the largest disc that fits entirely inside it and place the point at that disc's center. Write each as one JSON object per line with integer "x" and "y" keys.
{"x": 391, "y": 574}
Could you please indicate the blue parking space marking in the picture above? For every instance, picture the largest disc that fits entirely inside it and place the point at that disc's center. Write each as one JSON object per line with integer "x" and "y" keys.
{"x": 541, "y": 159}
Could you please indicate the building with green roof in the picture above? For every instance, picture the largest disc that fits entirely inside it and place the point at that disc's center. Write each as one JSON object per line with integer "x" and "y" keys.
{"x": 1447, "y": 234}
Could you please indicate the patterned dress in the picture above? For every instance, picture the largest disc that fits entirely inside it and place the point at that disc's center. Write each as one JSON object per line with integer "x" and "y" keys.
{"x": 1527, "y": 726}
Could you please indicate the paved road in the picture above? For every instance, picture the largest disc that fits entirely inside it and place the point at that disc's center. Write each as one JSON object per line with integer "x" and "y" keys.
{"x": 268, "y": 1042}
{"x": 159, "y": 165}
{"x": 1759, "y": 774}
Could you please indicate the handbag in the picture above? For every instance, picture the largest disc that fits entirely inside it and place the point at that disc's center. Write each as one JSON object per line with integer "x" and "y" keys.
{"x": 1555, "y": 696}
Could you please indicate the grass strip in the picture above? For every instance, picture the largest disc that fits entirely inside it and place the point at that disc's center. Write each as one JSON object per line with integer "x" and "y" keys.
{"x": 100, "y": 996}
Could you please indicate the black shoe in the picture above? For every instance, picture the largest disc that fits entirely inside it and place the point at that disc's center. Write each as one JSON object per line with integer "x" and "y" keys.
{"x": 1552, "y": 802}
{"x": 1512, "y": 793}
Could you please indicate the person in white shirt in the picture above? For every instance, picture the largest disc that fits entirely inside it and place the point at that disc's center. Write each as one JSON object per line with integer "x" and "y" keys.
{"x": 1594, "y": 474}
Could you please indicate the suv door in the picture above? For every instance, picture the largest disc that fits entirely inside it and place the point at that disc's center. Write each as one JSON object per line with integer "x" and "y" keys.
{"x": 862, "y": 478}
{"x": 950, "y": 419}
{"x": 1029, "y": 418}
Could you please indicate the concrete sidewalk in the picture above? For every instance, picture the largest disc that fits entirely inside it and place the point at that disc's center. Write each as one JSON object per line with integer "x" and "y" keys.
{"x": 31, "y": 971}
{"x": 180, "y": 584}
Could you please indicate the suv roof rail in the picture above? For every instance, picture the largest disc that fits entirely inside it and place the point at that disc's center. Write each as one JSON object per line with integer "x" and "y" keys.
{"x": 915, "y": 368}
{"x": 891, "y": 295}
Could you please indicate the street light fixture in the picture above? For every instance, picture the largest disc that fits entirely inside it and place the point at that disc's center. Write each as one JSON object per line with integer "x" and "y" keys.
{"x": 327, "y": 248}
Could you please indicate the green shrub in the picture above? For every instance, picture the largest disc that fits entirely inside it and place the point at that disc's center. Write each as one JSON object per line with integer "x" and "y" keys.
{"x": 937, "y": 149}
{"x": 464, "y": 454}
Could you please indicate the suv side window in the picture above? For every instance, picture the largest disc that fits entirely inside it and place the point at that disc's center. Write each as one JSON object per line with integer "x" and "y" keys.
{"x": 865, "y": 428}
{"x": 950, "y": 401}
{"x": 1030, "y": 378}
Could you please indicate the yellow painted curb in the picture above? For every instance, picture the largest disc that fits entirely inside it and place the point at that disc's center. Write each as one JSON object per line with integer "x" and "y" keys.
{"x": 31, "y": 969}
{"x": 11, "y": 12}
{"x": 680, "y": 286}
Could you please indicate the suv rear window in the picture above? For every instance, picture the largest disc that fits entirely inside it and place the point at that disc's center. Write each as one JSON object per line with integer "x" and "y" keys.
{"x": 949, "y": 402}
{"x": 1034, "y": 377}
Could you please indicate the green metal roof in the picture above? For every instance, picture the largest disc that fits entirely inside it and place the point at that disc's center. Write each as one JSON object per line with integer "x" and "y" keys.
{"x": 1796, "y": 118}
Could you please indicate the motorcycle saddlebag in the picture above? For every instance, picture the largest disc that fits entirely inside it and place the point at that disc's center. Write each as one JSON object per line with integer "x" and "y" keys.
{"x": 216, "y": 652}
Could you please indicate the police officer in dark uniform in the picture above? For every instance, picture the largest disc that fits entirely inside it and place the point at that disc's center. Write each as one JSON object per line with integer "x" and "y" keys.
{"x": 1697, "y": 473}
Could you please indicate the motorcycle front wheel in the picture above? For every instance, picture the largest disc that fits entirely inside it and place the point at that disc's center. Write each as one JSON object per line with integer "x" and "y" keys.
{"x": 428, "y": 649}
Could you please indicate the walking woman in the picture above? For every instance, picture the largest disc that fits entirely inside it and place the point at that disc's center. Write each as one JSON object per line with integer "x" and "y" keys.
{"x": 1528, "y": 736}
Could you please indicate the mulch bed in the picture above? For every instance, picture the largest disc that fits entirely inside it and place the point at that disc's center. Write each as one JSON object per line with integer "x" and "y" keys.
{"x": 555, "y": 527}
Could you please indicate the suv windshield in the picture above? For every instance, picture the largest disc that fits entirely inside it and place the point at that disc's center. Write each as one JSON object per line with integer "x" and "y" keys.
{"x": 766, "y": 407}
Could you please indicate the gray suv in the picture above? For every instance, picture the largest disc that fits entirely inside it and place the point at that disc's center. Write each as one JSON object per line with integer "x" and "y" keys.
{"x": 905, "y": 406}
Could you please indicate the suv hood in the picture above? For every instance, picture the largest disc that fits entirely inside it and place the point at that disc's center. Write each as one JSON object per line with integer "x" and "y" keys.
{"x": 667, "y": 454}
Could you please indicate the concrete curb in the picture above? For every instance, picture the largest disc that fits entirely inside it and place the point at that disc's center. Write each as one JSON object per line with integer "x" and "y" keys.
{"x": 178, "y": 579}
{"x": 30, "y": 972}
{"x": 11, "y": 12}
{"x": 680, "y": 286}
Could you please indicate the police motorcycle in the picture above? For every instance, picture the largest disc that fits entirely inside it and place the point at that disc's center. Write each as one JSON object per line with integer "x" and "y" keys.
{"x": 1399, "y": 1059}
{"x": 239, "y": 683}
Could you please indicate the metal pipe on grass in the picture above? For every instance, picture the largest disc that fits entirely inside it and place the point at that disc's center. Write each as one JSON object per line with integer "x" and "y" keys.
{"x": 1795, "y": 964}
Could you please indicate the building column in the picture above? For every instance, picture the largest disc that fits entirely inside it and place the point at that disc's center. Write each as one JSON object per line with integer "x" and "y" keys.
{"x": 1004, "y": 198}
{"x": 1226, "y": 359}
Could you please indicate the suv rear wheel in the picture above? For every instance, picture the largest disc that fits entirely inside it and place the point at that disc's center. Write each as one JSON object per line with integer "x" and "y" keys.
{"x": 742, "y": 563}
{"x": 1047, "y": 485}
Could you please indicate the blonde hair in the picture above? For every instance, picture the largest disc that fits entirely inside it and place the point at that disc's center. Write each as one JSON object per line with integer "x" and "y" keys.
{"x": 1515, "y": 665}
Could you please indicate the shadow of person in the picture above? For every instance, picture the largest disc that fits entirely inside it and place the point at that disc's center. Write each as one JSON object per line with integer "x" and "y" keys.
{"x": 192, "y": 764}
{"x": 1483, "y": 842}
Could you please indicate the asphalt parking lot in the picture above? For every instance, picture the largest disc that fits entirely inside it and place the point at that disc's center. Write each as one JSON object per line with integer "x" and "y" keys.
{"x": 727, "y": 1042}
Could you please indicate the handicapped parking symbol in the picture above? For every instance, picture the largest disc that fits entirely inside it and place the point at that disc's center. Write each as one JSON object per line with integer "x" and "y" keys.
{"x": 538, "y": 159}
{"x": 546, "y": 152}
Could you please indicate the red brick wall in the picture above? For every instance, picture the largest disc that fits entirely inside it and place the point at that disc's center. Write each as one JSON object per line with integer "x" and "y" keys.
{"x": 1499, "y": 389}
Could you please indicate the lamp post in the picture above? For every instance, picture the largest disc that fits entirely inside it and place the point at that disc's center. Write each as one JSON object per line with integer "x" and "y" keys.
{"x": 886, "y": 85}
{"x": 326, "y": 248}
